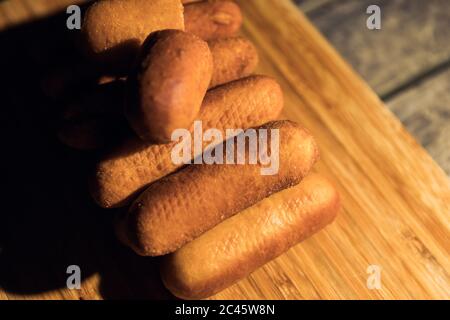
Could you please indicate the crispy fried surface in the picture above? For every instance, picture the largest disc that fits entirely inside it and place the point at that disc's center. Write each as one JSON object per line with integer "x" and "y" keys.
{"x": 234, "y": 58}
{"x": 213, "y": 19}
{"x": 133, "y": 165}
{"x": 168, "y": 84}
{"x": 182, "y": 206}
{"x": 243, "y": 243}
{"x": 113, "y": 30}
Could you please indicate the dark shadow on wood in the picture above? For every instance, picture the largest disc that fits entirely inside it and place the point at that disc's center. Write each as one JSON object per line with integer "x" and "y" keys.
{"x": 48, "y": 220}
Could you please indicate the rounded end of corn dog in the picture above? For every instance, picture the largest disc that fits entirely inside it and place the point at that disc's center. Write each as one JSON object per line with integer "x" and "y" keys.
{"x": 303, "y": 149}
{"x": 167, "y": 87}
{"x": 213, "y": 19}
{"x": 238, "y": 246}
{"x": 324, "y": 193}
{"x": 109, "y": 184}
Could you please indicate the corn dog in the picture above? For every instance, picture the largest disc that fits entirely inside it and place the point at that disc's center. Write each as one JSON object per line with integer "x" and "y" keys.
{"x": 126, "y": 170}
{"x": 113, "y": 30}
{"x": 211, "y": 20}
{"x": 167, "y": 87}
{"x": 238, "y": 246}
{"x": 233, "y": 58}
{"x": 64, "y": 81}
{"x": 182, "y": 206}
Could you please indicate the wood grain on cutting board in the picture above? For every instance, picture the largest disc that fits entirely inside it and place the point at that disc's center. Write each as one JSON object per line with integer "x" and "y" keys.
{"x": 396, "y": 200}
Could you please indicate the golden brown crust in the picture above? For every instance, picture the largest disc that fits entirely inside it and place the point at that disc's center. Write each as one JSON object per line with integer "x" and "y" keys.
{"x": 213, "y": 19}
{"x": 168, "y": 84}
{"x": 133, "y": 165}
{"x": 182, "y": 206}
{"x": 245, "y": 242}
{"x": 113, "y": 30}
{"x": 233, "y": 58}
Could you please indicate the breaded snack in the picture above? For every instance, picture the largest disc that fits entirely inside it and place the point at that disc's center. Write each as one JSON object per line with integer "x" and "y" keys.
{"x": 126, "y": 170}
{"x": 238, "y": 246}
{"x": 113, "y": 30}
{"x": 180, "y": 207}
{"x": 168, "y": 84}
{"x": 234, "y": 58}
{"x": 212, "y": 19}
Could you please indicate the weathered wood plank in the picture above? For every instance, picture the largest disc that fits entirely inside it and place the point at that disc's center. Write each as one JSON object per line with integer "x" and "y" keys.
{"x": 423, "y": 108}
{"x": 425, "y": 111}
{"x": 414, "y": 38}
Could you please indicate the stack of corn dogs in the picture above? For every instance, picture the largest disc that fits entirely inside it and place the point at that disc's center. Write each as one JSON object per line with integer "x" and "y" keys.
{"x": 160, "y": 66}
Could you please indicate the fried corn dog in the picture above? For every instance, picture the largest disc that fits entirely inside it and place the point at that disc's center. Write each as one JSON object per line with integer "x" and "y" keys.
{"x": 168, "y": 84}
{"x": 64, "y": 81}
{"x": 238, "y": 246}
{"x": 130, "y": 167}
{"x": 113, "y": 30}
{"x": 212, "y": 19}
{"x": 233, "y": 58}
{"x": 178, "y": 208}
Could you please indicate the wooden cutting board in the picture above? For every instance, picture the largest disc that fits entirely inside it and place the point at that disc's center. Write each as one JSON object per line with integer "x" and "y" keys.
{"x": 396, "y": 200}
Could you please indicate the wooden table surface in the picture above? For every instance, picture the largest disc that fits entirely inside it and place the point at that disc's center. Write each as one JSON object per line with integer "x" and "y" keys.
{"x": 396, "y": 200}
{"x": 406, "y": 62}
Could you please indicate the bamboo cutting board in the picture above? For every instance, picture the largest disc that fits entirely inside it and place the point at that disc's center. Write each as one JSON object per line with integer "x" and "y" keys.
{"x": 396, "y": 200}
